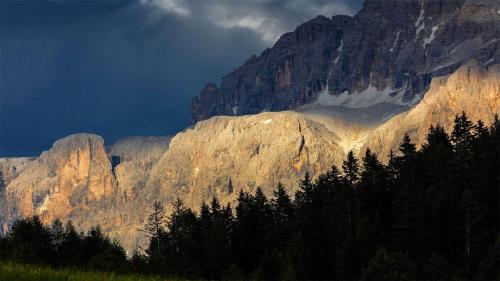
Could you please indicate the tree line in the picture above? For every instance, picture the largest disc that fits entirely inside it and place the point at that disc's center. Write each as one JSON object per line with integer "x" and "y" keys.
{"x": 428, "y": 214}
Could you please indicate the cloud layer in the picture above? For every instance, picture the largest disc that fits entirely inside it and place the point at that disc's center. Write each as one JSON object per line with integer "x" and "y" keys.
{"x": 268, "y": 18}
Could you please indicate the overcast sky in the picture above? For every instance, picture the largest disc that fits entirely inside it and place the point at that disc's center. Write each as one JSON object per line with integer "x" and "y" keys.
{"x": 125, "y": 68}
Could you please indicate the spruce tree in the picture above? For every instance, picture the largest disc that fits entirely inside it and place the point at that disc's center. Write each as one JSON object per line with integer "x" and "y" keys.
{"x": 283, "y": 215}
{"x": 462, "y": 131}
{"x": 350, "y": 168}
{"x": 155, "y": 228}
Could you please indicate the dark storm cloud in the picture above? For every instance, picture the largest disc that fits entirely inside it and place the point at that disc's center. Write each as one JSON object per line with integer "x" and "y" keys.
{"x": 268, "y": 18}
{"x": 119, "y": 68}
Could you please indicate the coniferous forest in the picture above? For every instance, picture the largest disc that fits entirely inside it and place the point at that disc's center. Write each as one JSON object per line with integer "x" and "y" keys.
{"x": 428, "y": 214}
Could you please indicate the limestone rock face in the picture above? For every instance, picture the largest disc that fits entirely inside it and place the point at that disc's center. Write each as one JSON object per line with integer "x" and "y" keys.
{"x": 223, "y": 155}
{"x": 72, "y": 176}
{"x": 11, "y": 167}
{"x": 473, "y": 88}
{"x": 390, "y": 50}
{"x": 77, "y": 179}
{"x": 133, "y": 158}
{"x": 146, "y": 149}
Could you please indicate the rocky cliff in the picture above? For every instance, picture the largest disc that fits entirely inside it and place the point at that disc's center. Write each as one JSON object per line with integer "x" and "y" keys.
{"x": 388, "y": 52}
{"x": 141, "y": 149}
{"x": 64, "y": 182}
{"x": 473, "y": 88}
{"x": 11, "y": 167}
{"x": 222, "y": 155}
{"x": 76, "y": 179}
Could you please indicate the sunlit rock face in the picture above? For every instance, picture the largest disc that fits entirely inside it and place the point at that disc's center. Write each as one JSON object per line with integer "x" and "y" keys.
{"x": 78, "y": 180}
{"x": 11, "y": 167}
{"x": 474, "y": 88}
{"x": 141, "y": 149}
{"x": 133, "y": 158}
{"x": 222, "y": 155}
{"x": 72, "y": 176}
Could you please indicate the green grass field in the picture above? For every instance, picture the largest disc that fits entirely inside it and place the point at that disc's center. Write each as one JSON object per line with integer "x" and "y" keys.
{"x": 17, "y": 272}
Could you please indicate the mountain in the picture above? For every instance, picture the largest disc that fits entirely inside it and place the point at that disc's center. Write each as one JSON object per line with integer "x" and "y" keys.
{"x": 388, "y": 52}
{"x": 222, "y": 155}
{"x": 473, "y": 88}
{"x": 78, "y": 180}
{"x": 332, "y": 85}
{"x": 64, "y": 181}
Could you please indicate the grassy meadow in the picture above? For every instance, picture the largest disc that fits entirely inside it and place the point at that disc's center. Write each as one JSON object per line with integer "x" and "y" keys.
{"x": 18, "y": 272}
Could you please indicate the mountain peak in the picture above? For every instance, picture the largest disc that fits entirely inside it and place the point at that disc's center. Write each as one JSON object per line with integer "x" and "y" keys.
{"x": 395, "y": 47}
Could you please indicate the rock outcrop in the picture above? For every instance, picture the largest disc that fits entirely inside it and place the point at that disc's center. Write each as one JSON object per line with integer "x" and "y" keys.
{"x": 66, "y": 182}
{"x": 389, "y": 51}
{"x": 76, "y": 179}
{"x": 11, "y": 167}
{"x": 474, "y": 88}
{"x": 222, "y": 155}
{"x": 142, "y": 149}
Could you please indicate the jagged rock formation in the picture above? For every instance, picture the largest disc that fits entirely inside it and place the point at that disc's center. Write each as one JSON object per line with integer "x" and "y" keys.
{"x": 351, "y": 125}
{"x": 70, "y": 178}
{"x": 222, "y": 155}
{"x": 75, "y": 180}
{"x": 473, "y": 88}
{"x": 133, "y": 159}
{"x": 388, "y": 52}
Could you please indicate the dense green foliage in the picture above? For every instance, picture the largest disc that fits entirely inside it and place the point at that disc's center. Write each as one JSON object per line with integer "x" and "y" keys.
{"x": 428, "y": 214}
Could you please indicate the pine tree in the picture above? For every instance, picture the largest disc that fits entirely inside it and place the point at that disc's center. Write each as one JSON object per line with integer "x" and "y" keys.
{"x": 407, "y": 148}
{"x": 462, "y": 135}
{"x": 250, "y": 235}
{"x": 406, "y": 199}
{"x": 435, "y": 174}
{"x": 216, "y": 250}
{"x": 283, "y": 215}
{"x": 215, "y": 209}
{"x": 181, "y": 248}
{"x": 155, "y": 228}
{"x": 373, "y": 186}
{"x": 303, "y": 195}
{"x": 350, "y": 167}
{"x": 205, "y": 216}
{"x": 437, "y": 138}
{"x": 348, "y": 196}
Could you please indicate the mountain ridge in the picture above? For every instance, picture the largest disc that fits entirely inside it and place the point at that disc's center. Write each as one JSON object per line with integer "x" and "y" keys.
{"x": 395, "y": 47}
